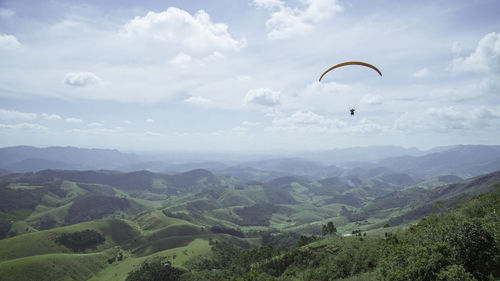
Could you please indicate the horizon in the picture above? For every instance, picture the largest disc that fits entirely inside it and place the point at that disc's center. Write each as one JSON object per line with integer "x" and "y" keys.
{"x": 242, "y": 76}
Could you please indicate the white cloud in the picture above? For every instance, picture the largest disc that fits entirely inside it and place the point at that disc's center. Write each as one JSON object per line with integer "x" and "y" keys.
{"x": 250, "y": 124}
{"x": 446, "y": 113}
{"x": 82, "y": 79}
{"x": 95, "y": 131}
{"x": 301, "y": 118}
{"x": 306, "y": 121}
{"x": 23, "y": 126}
{"x": 180, "y": 59}
{"x": 73, "y": 120}
{"x": 9, "y": 42}
{"x": 52, "y": 117}
{"x": 152, "y": 134}
{"x": 485, "y": 58}
{"x": 263, "y": 96}
{"x": 149, "y": 120}
{"x": 6, "y": 13}
{"x": 95, "y": 124}
{"x": 196, "y": 33}
{"x": 212, "y": 57}
{"x": 421, "y": 73}
{"x": 456, "y": 48}
{"x": 198, "y": 100}
{"x": 286, "y": 22}
{"x": 16, "y": 115}
{"x": 372, "y": 99}
{"x": 268, "y": 4}
{"x": 444, "y": 119}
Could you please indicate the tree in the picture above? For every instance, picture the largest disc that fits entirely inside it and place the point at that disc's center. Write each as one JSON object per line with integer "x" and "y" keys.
{"x": 155, "y": 270}
{"x": 329, "y": 228}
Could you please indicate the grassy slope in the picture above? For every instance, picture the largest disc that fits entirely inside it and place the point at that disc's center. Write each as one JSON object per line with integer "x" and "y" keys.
{"x": 43, "y": 242}
{"x": 54, "y": 267}
{"x": 118, "y": 271}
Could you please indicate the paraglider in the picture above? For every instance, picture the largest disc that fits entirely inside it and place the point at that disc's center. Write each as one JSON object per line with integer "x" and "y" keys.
{"x": 351, "y": 63}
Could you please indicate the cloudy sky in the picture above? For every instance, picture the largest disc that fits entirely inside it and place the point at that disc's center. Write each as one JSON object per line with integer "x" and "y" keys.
{"x": 242, "y": 75}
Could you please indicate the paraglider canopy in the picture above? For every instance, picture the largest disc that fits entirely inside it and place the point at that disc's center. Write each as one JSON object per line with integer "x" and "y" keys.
{"x": 350, "y": 63}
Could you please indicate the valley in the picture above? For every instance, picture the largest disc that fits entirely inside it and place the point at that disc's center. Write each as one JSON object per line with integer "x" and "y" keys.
{"x": 181, "y": 217}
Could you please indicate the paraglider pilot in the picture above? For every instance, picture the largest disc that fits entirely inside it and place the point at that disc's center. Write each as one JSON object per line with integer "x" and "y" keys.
{"x": 352, "y": 111}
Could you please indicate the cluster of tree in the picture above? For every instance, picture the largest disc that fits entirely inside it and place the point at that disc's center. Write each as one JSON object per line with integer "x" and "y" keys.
{"x": 81, "y": 240}
{"x": 227, "y": 230}
{"x": 328, "y": 228}
{"x": 91, "y": 207}
{"x": 460, "y": 244}
{"x": 155, "y": 270}
{"x": 258, "y": 214}
{"x": 177, "y": 215}
{"x": 280, "y": 239}
{"x": 98, "y": 189}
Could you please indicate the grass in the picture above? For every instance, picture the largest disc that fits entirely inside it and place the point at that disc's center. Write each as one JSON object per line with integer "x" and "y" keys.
{"x": 118, "y": 271}
{"x": 21, "y": 227}
{"x": 56, "y": 214}
{"x": 43, "y": 242}
{"x": 51, "y": 267}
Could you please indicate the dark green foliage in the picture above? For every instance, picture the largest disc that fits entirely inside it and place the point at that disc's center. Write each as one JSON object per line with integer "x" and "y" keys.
{"x": 460, "y": 244}
{"x": 120, "y": 231}
{"x": 5, "y": 225}
{"x": 46, "y": 223}
{"x": 277, "y": 195}
{"x": 258, "y": 214}
{"x": 97, "y": 189}
{"x": 461, "y": 240}
{"x": 91, "y": 207}
{"x": 177, "y": 215}
{"x": 155, "y": 270}
{"x": 79, "y": 241}
{"x": 226, "y": 230}
{"x": 281, "y": 239}
{"x": 11, "y": 199}
{"x": 200, "y": 205}
{"x": 455, "y": 273}
{"x": 304, "y": 240}
{"x": 329, "y": 228}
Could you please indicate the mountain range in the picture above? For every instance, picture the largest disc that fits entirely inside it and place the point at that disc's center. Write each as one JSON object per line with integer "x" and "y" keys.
{"x": 462, "y": 160}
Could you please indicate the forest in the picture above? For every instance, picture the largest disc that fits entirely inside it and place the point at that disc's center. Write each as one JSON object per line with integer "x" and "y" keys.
{"x": 459, "y": 244}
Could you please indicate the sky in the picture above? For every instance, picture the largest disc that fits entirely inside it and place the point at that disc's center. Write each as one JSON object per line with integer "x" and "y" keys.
{"x": 242, "y": 75}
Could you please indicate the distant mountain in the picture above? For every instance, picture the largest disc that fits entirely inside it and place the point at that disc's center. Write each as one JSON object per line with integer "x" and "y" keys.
{"x": 250, "y": 174}
{"x": 361, "y": 154}
{"x": 167, "y": 167}
{"x": 37, "y": 164}
{"x": 417, "y": 202}
{"x": 463, "y": 161}
{"x": 295, "y": 167}
{"x": 4, "y": 172}
{"x": 29, "y": 158}
{"x": 141, "y": 181}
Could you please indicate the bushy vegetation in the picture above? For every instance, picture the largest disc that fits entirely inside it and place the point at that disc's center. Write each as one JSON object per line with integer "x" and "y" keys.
{"x": 461, "y": 244}
{"x": 155, "y": 270}
{"x": 81, "y": 240}
{"x": 91, "y": 207}
{"x": 258, "y": 214}
{"x": 227, "y": 230}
